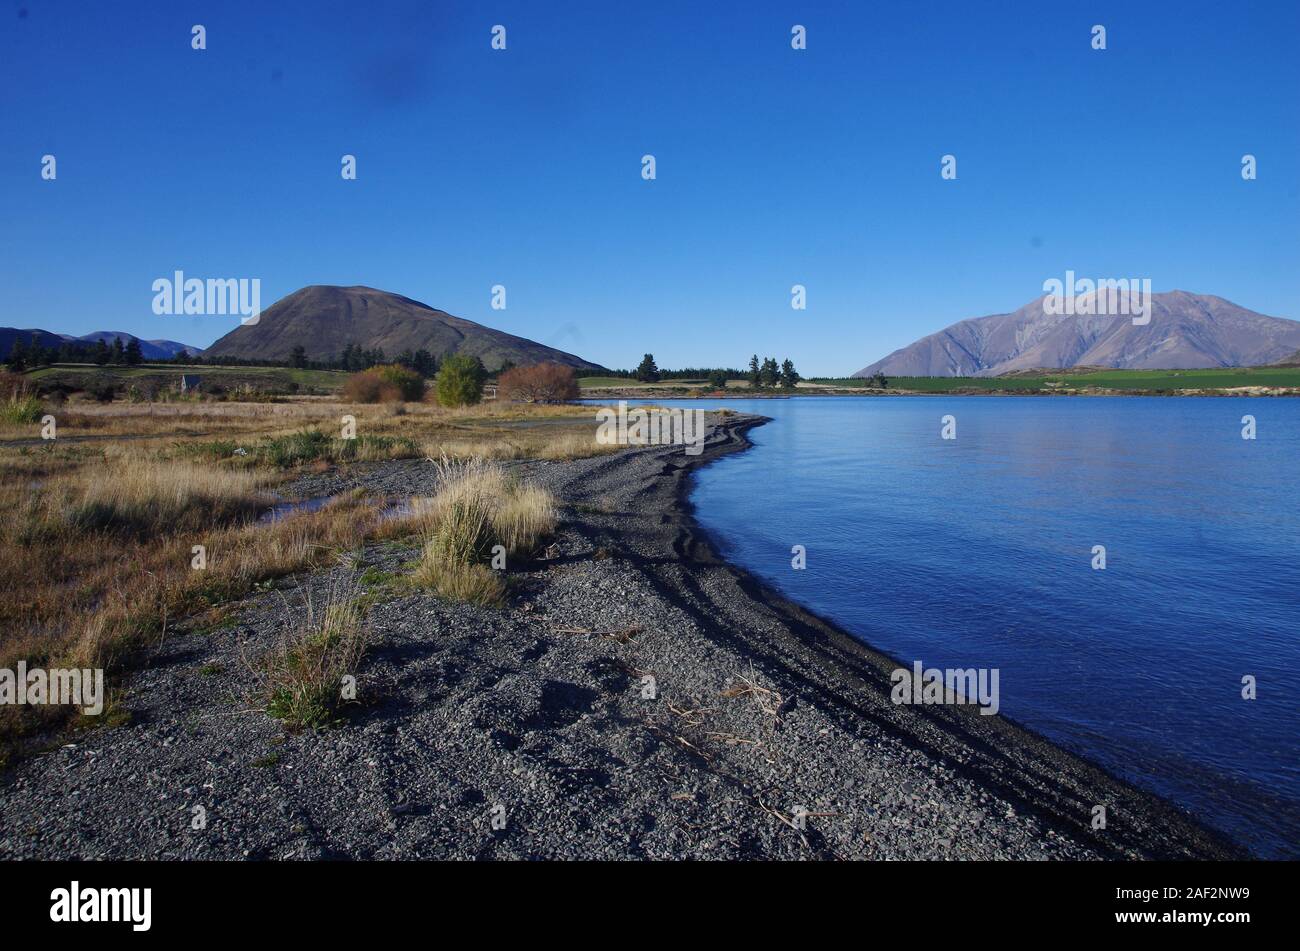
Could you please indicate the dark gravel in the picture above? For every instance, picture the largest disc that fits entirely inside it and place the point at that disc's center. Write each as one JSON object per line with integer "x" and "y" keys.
{"x": 468, "y": 714}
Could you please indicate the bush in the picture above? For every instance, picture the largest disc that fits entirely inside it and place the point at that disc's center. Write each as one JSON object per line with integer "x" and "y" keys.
{"x": 460, "y": 381}
{"x": 391, "y": 383}
{"x": 541, "y": 383}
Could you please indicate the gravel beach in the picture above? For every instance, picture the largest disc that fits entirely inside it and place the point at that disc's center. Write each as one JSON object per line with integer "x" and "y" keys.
{"x": 638, "y": 698}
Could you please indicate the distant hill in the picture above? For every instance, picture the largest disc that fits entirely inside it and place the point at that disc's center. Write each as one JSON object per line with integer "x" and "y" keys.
{"x": 46, "y": 339}
{"x": 1187, "y": 331}
{"x": 151, "y": 349}
{"x": 1291, "y": 361}
{"x": 324, "y": 320}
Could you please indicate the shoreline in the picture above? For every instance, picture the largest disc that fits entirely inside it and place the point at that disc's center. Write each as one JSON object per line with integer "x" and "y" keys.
{"x": 841, "y": 644}
{"x": 759, "y": 709}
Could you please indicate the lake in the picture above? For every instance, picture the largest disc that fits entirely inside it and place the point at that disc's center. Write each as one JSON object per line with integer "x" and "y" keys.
{"x": 978, "y": 552}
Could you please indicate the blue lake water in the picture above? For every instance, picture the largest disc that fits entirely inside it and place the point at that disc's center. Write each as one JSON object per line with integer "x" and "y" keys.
{"x": 977, "y": 552}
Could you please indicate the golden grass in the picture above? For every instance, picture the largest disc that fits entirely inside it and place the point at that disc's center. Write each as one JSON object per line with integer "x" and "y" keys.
{"x": 150, "y": 495}
{"x": 478, "y": 507}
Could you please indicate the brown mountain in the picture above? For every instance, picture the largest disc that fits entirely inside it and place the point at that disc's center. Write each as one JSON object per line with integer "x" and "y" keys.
{"x": 1186, "y": 331}
{"x": 324, "y": 320}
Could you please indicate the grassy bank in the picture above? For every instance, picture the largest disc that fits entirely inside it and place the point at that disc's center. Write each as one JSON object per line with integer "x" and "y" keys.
{"x": 1142, "y": 381}
{"x": 100, "y": 550}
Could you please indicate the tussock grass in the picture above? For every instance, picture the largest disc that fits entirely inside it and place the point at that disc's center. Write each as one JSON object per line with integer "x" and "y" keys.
{"x": 303, "y": 677}
{"x": 476, "y": 508}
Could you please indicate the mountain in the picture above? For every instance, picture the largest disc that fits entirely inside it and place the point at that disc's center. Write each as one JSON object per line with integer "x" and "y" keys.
{"x": 151, "y": 349}
{"x": 9, "y": 334}
{"x": 324, "y": 320}
{"x": 1186, "y": 331}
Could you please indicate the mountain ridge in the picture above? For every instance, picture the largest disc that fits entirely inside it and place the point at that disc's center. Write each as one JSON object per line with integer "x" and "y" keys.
{"x": 1186, "y": 331}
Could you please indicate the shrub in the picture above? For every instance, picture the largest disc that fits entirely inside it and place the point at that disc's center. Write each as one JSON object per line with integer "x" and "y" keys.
{"x": 391, "y": 383}
{"x": 541, "y": 383}
{"x": 460, "y": 380}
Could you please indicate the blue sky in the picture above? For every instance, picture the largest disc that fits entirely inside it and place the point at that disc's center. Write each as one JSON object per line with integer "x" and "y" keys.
{"x": 522, "y": 167}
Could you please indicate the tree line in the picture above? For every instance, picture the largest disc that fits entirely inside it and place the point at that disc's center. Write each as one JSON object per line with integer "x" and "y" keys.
{"x": 27, "y": 356}
{"x": 768, "y": 373}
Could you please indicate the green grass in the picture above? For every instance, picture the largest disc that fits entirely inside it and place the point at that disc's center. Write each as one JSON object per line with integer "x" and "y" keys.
{"x": 309, "y": 445}
{"x": 267, "y": 379}
{"x": 588, "y": 382}
{"x": 1139, "y": 380}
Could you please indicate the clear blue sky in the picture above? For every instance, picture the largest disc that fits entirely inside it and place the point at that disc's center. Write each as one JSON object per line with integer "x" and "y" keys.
{"x": 522, "y": 167}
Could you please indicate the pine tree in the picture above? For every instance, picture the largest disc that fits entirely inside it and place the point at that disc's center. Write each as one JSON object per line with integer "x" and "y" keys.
{"x": 102, "y": 353}
{"x": 298, "y": 357}
{"x": 788, "y": 375}
{"x": 119, "y": 354}
{"x": 770, "y": 373}
{"x": 134, "y": 354}
{"x": 18, "y": 356}
{"x": 647, "y": 372}
{"x": 755, "y": 374}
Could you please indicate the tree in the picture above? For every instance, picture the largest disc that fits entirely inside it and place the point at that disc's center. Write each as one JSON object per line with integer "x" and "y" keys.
{"x": 647, "y": 372}
{"x": 119, "y": 353}
{"x": 755, "y": 374}
{"x": 102, "y": 353}
{"x": 426, "y": 364}
{"x": 771, "y": 373}
{"x": 878, "y": 380}
{"x": 134, "y": 355}
{"x": 298, "y": 357}
{"x": 788, "y": 375}
{"x": 18, "y": 356}
{"x": 460, "y": 380}
{"x": 542, "y": 383}
{"x": 718, "y": 379}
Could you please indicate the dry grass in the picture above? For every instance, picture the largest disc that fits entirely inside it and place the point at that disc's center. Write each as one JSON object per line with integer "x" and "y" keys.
{"x": 97, "y": 544}
{"x": 149, "y": 495}
{"x": 576, "y": 445}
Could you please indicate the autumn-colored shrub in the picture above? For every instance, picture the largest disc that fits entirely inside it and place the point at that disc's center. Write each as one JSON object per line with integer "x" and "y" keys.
{"x": 540, "y": 383}
{"x": 390, "y": 383}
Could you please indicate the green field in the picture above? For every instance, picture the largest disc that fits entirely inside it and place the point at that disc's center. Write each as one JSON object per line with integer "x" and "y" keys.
{"x": 265, "y": 379}
{"x": 1143, "y": 380}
